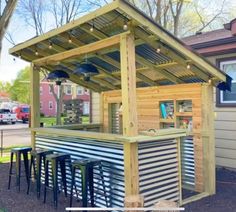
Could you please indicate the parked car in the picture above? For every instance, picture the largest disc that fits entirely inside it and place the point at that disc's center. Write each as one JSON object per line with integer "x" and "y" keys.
{"x": 22, "y": 113}
{"x": 7, "y": 117}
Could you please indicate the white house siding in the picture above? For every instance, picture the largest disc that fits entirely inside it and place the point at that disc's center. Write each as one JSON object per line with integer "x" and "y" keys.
{"x": 225, "y": 130}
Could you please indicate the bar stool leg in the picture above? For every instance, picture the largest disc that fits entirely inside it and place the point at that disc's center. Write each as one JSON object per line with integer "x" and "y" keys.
{"x": 27, "y": 174}
{"x": 10, "y": 170}
{"x": 18, "y": 169}
{"x": 72, "y": 184}
{"x": 91, "y": 189}
{"x": 54, "y": 181}
{"x": 84, "y": 174}
{"x": 103, "y": 183}
{"x": 38, "y": 174}
{"x": 63, "y": 175}
{"x": 46, "y": 181}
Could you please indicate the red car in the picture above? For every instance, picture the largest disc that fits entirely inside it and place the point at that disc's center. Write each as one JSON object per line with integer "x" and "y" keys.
{"x": 22, "y": 112}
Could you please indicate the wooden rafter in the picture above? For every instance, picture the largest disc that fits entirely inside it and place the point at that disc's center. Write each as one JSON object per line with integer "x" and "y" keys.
{"x": 170, "y": 40}
{"x": 162, "y": 72}
{"x": 66, "y": 27}
{"x": 152, "y": 41}
{"x": 92, "y": 47}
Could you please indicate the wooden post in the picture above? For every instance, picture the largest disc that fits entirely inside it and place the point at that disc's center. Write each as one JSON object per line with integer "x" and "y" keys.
{"x": 208, "y": 139}
{"x": 134, "y": 201}
{"x": 34, "y": 101}
{"x": 128, "y": 85}
{"x": 129, "y": 111}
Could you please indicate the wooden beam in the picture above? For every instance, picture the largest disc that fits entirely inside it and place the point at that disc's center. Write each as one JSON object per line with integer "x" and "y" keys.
{"x": 34, "y": 101}
{"x": 128, "y": 85}
{"x": 92, "y": 47}
{"x": 162, "y": 72}
{"x": 67, "y": 27}
{"x": 146, "y": 79}
{"x": 131, "y": 169}
{"x": 164, "y": 50}
{"x": 208, "y": 139}
{"x": 170, "y": 40}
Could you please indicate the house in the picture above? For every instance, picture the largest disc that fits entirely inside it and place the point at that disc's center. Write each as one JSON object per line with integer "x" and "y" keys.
{"x": 48, "y": 102}
{"x": 219, "y": 47}
{"x": 4, "y": 97}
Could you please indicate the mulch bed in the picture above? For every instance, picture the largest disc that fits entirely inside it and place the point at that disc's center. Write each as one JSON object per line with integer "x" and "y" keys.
{"x": 12, "y": 201}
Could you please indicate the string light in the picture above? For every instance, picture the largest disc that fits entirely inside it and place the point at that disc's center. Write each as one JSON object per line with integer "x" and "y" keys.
{"x": 69, "y": 40}
{"x": 158, "y": 49}
{"x": 92, "y": 28}
{"x": 125, "y": 26}
{"x": 50, "y": 45}
{"x": 36, "y": 52}
{"x": 188, "y": 66}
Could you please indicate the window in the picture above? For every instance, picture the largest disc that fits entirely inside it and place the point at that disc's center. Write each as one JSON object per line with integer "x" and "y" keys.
{"x": 50, "y": 105}
{"x": 227, "y": 98}
{"x": 50, "y": 89}
{"x": 68, "y": 90}
{"x": 80, "y": 90}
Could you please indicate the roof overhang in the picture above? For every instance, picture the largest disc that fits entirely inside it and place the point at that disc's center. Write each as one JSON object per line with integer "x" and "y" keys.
{"x": 174, "y": 63}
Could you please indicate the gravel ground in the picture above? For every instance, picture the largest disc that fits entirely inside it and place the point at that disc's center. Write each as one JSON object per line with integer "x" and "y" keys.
{"x": 12, "y": 201}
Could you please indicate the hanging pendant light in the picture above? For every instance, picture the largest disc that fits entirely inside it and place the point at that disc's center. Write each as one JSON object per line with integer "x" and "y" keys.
{"x": 58, "y": 76}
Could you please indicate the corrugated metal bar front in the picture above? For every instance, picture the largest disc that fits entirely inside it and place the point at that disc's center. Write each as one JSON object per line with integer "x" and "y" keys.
{"x": 158, "y": 171}
{"x": 111, "y": 154}
{"x": 187, "y": 163}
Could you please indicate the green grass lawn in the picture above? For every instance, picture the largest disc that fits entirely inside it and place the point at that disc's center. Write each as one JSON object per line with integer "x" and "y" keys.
{"x": 6, "y": 154}
{"x": 50, "y": 121}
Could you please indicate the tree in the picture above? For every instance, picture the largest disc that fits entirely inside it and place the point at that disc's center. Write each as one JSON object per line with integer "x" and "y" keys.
{"x": 19, "y": 90}
{"x": 6, "y": 10}
{"x": 185, "y": 17}
{"x": 5, "y": 86}
{"x": 63, "y": 11}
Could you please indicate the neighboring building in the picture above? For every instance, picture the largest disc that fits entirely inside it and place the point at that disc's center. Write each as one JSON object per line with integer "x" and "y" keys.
{"x": 219, "y": 46}
{"x": 48, "y": 102}
{"x": 4, "y": 97}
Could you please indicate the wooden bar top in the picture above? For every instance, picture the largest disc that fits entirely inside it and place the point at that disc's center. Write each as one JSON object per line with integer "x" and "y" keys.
{"x": 143, "y": 137}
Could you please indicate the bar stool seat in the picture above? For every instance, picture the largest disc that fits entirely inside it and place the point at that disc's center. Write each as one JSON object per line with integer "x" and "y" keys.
{"x": 38, "y": 155}
{"x": 86, "y": 167}
{"x": 19, "y": 151}
{"x": 56, "y": 159}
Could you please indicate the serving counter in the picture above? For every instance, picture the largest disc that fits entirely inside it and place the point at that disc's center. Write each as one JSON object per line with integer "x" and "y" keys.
{"x": 147, "y": 165}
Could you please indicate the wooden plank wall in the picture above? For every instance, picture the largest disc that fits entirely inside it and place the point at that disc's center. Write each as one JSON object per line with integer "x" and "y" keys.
{"x": 149, "y": 114}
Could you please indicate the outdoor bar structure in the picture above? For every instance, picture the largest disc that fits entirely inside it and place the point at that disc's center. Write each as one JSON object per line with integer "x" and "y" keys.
{"x": 151, "y": 106}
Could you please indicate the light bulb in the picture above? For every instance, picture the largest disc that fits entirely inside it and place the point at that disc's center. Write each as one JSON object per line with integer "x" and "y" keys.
{"x": 36, "y": 53}
{"x": 188, "y": 66}
{"x": 158, "y": 50}
{"x": 50, "y": 46}
{"x": 69, "y": 40}
{"x": 91, "y": 29}
{"x": 125, "y": 26}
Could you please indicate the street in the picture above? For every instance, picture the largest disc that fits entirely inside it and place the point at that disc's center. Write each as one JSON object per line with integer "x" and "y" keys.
{"x": 14, "y": 134}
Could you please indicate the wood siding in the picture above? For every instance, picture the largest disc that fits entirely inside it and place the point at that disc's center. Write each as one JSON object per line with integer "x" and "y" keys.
{"x": 148, "y": 100}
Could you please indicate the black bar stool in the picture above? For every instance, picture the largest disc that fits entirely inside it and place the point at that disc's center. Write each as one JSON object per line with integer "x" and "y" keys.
{"x": 55, "y": 160}
{"x": 86, "y": 167}
{"x": 18, "y": 152}
{"x": 38, "y": 156}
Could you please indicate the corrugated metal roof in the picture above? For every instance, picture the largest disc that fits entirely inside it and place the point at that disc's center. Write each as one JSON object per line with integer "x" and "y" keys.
{"x": 106, "y": 25}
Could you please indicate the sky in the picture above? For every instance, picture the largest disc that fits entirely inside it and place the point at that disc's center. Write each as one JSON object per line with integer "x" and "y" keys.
{"x": 10, "y": 66}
